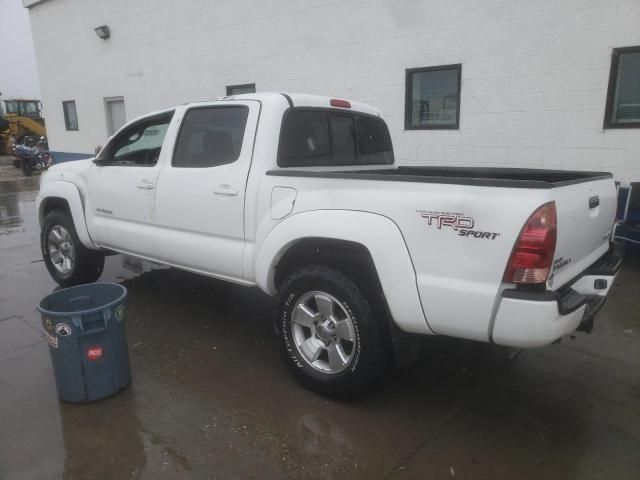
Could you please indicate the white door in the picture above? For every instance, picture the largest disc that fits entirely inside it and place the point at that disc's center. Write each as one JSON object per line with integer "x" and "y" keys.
{"x": 201, "y": 191}
{"x": 121, "y": 191}
{"x": 116, "y": 115}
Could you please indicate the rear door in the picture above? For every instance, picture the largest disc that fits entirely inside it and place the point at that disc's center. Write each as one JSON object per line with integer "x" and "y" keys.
{"x": 586, "y": 212}
{"x": 201, "y": 194}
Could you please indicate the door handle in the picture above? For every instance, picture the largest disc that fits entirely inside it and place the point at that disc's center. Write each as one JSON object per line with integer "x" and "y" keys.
{"x": 145, "y": 186}
{"x": 226, "y": 190}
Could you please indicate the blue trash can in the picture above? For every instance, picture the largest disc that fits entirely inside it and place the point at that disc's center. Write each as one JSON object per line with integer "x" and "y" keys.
{"x": 85, "y": 331}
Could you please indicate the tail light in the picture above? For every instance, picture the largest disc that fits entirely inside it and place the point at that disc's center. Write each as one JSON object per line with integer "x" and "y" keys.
{"x": 532, "y": 255}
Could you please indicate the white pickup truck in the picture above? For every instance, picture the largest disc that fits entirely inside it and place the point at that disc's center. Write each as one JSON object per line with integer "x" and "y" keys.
{"x": 299, "y": 195}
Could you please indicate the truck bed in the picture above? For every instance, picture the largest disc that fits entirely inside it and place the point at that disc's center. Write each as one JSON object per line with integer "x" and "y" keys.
{"x": 485, "y": 176}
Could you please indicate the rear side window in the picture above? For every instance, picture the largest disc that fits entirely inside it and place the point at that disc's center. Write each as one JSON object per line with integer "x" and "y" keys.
{"x": 324, "y": 137}
{"x": 210, "y": 137}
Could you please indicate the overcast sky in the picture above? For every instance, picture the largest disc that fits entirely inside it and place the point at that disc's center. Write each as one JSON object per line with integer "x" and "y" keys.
{"x": 18, "y": 75}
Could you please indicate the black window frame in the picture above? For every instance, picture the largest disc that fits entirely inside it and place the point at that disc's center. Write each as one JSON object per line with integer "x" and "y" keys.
{"x": 66, "y": 115}
{"x": 328, "y": 112}
{"x": 241, "y": 85}
{"x": 208, "y": 107}
{"x": 408, "y": 85}
{"x": 611, "y": 89}
{"x": 105, "y": 157}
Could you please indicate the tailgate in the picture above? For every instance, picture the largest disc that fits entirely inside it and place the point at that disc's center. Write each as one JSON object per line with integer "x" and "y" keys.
{"x": 586, "y": 212}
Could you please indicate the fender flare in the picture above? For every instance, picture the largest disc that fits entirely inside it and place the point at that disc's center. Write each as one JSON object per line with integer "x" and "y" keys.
{"x": 377, "y": 233}
{"x": 69, "y": 192}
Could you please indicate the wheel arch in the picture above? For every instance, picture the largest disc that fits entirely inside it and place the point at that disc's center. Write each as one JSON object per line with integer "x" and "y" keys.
{"x": 348, "y": 239}
{"x": 64, "y": 196}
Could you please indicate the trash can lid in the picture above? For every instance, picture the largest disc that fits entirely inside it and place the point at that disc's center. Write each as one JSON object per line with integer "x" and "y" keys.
{"x": 102, "y": 295}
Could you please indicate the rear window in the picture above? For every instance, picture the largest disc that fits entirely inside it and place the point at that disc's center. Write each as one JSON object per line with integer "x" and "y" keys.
{"x": 304, "y": 139}
{"x": 374, "y": 141}
{"x": 323, "y": 137}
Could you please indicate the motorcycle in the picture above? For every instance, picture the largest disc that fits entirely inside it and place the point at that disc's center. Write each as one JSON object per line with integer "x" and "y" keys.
{"x": 32, "y": 156}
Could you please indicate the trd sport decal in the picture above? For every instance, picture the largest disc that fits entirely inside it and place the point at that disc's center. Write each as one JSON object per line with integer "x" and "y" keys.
{"x": 458, "y": 222}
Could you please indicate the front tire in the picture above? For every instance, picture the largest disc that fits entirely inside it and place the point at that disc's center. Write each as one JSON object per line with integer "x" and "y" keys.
{"x": 330, "y": 339}
{"x": 68, "y": 261}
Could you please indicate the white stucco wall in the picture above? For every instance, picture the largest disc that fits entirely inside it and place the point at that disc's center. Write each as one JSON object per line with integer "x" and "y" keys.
{"x": 534, "y": 73}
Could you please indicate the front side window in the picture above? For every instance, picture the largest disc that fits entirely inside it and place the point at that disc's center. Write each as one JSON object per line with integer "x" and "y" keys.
{"x": 433, "y": 98}
{"x": 210, "y": 136}
{"x": 322, "y": 137}
{"x": 70, "y": 115}
{"x": 623, "y": 96}
{"x": 138, "y": 144}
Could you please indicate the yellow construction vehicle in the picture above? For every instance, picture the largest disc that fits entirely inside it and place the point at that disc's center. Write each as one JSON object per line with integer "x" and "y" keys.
{"x": 21, "y": 118}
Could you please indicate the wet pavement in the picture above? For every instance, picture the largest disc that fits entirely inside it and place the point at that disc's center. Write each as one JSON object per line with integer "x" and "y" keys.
{"x": 211, "y": 399}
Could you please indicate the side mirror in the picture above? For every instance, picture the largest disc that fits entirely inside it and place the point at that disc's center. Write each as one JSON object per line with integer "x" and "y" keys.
{"x": 97, "y": 160}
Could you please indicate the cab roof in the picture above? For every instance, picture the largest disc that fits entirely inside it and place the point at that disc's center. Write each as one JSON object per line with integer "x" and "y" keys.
{"x": 308, "y": 100}
{"x": 294, "y": 99}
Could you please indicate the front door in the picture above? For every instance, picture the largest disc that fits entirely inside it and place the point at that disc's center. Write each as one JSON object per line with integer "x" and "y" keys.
{"x": 121, "y": 192}
{"x": 201, "y": 192}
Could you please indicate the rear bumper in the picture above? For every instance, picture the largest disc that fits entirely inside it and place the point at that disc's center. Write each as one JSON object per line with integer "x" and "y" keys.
{"x": 528, "y": 318}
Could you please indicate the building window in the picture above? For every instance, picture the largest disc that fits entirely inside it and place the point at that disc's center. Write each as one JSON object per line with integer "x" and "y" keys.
{"x": 70, "y": 115}
{"x": 433, "y": 98}
{"x": 239, "y": 89}
{"x": 623, "y": 95}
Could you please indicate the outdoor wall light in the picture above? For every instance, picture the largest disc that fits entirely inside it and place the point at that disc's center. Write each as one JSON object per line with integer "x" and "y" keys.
{"x": 103, "y": 32}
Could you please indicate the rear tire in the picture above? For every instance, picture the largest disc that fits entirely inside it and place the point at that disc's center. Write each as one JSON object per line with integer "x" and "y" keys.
{"x": 68, "y": 261}
{"x": 330, "y": 338}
